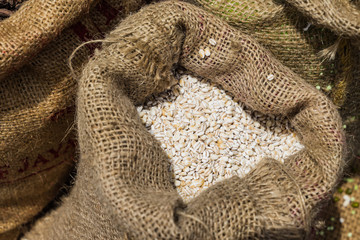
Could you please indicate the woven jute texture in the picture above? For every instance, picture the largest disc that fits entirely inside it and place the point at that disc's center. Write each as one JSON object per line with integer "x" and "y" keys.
{"x": 37, "y": 102}
{"x": 297, "y": 34}
{"x": 340, "y": 16}
{"x": 39, "y": 22}
{"x": 124, "y": 188}
{"x": 348, "y": 214}
{"x": 32, "y": 27}
{"x": 284, "y": 28}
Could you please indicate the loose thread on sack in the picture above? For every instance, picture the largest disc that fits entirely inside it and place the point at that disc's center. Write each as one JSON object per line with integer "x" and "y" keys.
{"x": 78, "y": 48}
{"x": 68, "y": 131}
{"x": 196, "y": 219}
{"x": 328, "y": 54}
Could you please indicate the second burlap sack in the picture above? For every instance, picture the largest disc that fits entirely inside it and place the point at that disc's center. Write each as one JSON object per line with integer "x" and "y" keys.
{"x": 37, "y": 98}
{"x": 124, "y": 189}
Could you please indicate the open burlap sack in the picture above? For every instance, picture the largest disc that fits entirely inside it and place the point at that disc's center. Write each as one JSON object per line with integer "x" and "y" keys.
{"x": 37, "y": 101}
{"x": 124, "y": 188}
{"x": 299, "y": 35}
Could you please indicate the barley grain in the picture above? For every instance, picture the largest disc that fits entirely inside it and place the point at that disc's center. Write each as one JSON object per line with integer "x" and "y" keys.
{"x": 209, "y": 137}
{"x": 212, "y": 41}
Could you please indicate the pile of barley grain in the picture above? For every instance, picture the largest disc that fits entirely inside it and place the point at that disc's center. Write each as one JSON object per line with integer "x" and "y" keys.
{"x": 209, "y": 137}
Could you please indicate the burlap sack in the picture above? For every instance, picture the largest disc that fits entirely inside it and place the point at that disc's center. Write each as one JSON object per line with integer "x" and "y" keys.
{"x": 32, "y": 27}
{"x": 295, "y": 34}
{"x": 350, "y": 111}
{"x": 37, "y": 101}
{"x": 334, "y": 33}
{"x": 340, "y": 16}
{"x": 124, "y": 188}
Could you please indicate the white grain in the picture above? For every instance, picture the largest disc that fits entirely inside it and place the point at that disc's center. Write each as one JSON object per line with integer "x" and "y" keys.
{"x": 207, "y": 52}
{"x": 209, "y": 137}
{"x": 202, "y": 53}
{"x": 212, "y": 41}
{"x": 270, "y": 77}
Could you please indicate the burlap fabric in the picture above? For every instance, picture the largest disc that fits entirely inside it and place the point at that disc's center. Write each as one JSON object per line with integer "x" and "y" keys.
{"x": 340, "y": 16}
{"x": 37, "y": 102}
{"x": 284, "y": 28}
{"x": 124, "y": 188}
{"x": 32, "y": 27}
{"x": 350, "y": 214}
{"x": 39, "y": 22}
{"x": 295, "y": 34}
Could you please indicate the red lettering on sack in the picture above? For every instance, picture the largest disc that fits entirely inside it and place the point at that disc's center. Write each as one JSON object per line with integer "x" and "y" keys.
{"x": 71, "y": 144}
{"x": 25, "y": 165}
{"x": 29, "y": 166}
{"x": 40, "y": 159}
{"x": 107, "y": 10}
{"x": 56, "y": 115}
{"x": 83, "y": 33}
{"x": 55, "y": 152}
{"x": 4, "y": 171}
